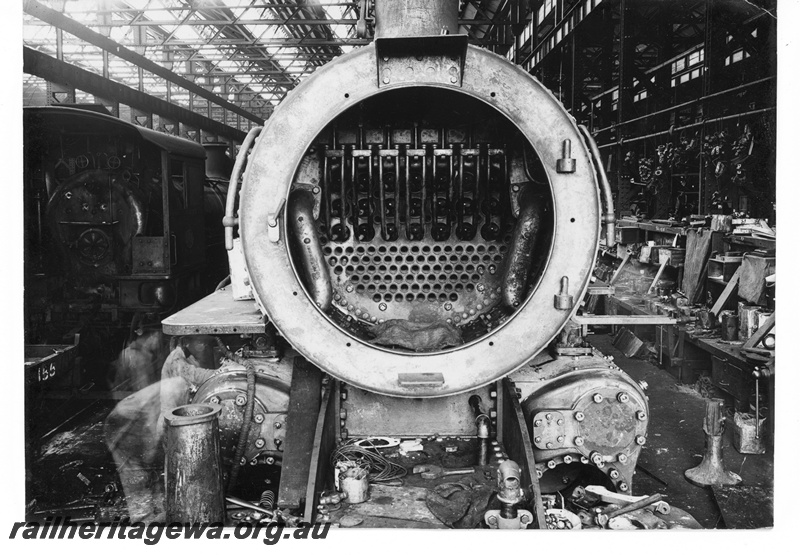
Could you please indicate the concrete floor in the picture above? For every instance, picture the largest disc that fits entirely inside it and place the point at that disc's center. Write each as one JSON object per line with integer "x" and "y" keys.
{"x": 676, "y": 443}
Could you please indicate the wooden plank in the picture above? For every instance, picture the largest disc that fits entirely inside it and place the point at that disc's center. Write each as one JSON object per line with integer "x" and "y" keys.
{"x": 324, "y": 443}
{"x": 726, "y": 293}
{"x": 301, "y": 426}
{"x": 619, "y": 268}
{"x": 516, "y": 440}
{"x": 658, "y": 277}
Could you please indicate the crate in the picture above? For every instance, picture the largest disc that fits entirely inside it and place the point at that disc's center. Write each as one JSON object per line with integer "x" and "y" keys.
{"x": 47, "y": 365}
{"x": 628, "y": 235}
{"x": 673, "y": 256}
{"x": 723, "y": 267}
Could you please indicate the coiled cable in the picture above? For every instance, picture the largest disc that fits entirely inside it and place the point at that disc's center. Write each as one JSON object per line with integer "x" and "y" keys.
{"x": 380, "y": 468}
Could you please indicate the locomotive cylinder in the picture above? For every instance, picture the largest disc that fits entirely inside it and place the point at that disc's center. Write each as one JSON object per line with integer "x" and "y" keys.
{"x": 193, "y": 465}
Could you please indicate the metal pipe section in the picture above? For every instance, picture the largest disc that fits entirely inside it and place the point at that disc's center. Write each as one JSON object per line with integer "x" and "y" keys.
{"x": 520, "y": 252}
{"x": 193, "y": 465}
{"x": 609, "y": 220}
{"x": 301, "y": 220}
{"x": 230, "y": 220}
{"x": 415, "y": 18}
{"x": 483, "y": 429}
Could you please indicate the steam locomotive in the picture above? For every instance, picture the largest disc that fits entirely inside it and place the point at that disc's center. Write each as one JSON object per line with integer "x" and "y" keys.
{"x": 419, "y": 221}
{"x": 119, "y": 223}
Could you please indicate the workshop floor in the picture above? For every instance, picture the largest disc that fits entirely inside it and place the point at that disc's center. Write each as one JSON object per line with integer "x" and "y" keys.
{"x": 72, "y": 471}
{"x": 676, "y": 443}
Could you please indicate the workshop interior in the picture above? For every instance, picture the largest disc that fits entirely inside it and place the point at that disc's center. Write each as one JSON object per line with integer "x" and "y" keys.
{"x": 493, "y": 264}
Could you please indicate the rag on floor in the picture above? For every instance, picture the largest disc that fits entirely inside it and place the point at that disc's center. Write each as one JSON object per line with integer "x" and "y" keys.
{"x": 461, "y": 504}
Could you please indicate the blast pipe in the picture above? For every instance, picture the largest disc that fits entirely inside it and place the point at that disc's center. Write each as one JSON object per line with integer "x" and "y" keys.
{"x": 609, "y": 220}
{"x": 520, "y": 252}
{"x": 301, "y": 218}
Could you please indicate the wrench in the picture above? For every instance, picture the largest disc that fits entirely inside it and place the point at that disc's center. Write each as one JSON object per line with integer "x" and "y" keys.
{"x": 432, "y": 471}
{"x": 607, "y": 496}
{"x": 602, "y": 519}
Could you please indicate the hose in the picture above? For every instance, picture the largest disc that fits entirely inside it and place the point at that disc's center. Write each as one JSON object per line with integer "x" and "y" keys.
{"x": 605, "y": 188}
{"x": 226, "y": 281}
{"x": 244, "y": 431}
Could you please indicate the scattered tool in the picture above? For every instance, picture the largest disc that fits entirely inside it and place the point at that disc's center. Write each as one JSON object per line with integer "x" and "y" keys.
{"x": 432, "y": 471}
{"x": 607, "y": 496}
{"x": 602, "y": 519}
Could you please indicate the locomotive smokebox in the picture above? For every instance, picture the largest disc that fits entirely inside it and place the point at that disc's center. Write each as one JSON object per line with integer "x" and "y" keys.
{"x": 420, "y": 216}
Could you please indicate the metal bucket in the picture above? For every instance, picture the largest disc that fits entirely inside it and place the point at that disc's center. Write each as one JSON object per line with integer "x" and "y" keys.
{"x": 193, "y": 465}
{"x": 729, "y": 324}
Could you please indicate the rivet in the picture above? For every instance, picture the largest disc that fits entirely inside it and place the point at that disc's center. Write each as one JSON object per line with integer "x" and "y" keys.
{"x": 536, "y": 423}
{"x": 537, "y": 439}
{"x": 278, "y": 425}
{"x": 549, "y": 445}
{"x": 560, "y": 439}
{"x": 548, "y": 416}
{"x": 578, "y": 441}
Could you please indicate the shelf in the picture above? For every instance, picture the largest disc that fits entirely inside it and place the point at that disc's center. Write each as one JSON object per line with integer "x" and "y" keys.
{"x": 747, "y": 241}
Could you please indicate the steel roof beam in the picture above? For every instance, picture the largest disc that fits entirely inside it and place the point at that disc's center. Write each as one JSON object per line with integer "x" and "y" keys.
{"x": 55, "y": 71}
{"x": 72, "y": 27}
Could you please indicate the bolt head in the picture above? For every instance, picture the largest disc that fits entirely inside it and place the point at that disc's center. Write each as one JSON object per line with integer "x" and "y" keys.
{"x": 560, "y": 439}
{"x": 549, "y": 416}
{"x": 579, "y": 416}
{"x": 597, "y": 398}
{"x": 493, "y": 394}
{"x": 260, "y": 443}
{"x": 278, "y": 425}
{"x": 578, "y": 441}
{"x": 623, "y": 458}
{"x": 614, "y": 473}
{"x": 214, "y": 400}
{"x": 537, "y": 423}
{"x": 493, "y": 414}
{"x": 259, "y": 418}
{"x": 622, "y": 398}
{"x": 597, "y": 459}
{"x": 241, "y": 400}
{"x": 640, "y": 440}
{"x": 551, "y": 464}
{"x": 640, "y": 415}
{"x": 568, "y": 459}
{"x": 382, "y": 306}
{"x": 349, "y": 288}
{"x": 560, "y": 422}
{"x": 623, "y": 486}
{"x": 549, "y": 444}
{"x": 537, "y": 439}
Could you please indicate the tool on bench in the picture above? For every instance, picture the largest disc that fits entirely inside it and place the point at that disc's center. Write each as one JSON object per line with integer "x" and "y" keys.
{"x": 607, "y": 496}
{"x": 432, "y": 471}
{"x": 602, "y": 519}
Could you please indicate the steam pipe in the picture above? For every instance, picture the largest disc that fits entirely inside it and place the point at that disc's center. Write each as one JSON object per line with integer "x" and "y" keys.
{"x": 609, "y": 220}
{"x": 415, "y": 18}
{"x": 301, "y": 218}
{"x": 230, "y": 220}
{"x": 520, "y": 252}
{"x": 482, "y": 423}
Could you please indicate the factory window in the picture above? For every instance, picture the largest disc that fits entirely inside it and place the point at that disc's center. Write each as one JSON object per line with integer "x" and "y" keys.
{"x": 641, "y": 95}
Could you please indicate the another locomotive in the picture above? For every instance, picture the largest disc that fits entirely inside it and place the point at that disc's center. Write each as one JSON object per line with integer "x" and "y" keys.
{"x": 115, "y": 237}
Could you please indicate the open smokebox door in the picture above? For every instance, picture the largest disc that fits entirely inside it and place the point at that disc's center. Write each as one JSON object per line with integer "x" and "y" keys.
{"x": 419, "y": 220}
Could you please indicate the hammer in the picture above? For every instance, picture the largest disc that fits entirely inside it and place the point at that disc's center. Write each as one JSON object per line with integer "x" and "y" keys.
{"x": 432, "y": 471}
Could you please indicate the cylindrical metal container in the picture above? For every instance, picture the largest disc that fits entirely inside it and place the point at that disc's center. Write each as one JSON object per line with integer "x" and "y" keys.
{"x": 706, "y": 319}
{"x": 415, "y": 18}
{"x": 193, "y": 465}
{"x": 729, "y": 324}
{"x": 748, "y": 321}
{"x": 355, "y": 483}
{"x": 769, "y": 339}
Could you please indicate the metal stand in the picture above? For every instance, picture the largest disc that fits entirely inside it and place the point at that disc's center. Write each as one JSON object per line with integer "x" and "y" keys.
{"x": 711, "y": 472}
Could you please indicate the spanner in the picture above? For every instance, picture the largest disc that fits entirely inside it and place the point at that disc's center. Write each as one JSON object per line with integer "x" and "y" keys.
{"x": 607, "y": 496}
{"x": 432, "y": 471}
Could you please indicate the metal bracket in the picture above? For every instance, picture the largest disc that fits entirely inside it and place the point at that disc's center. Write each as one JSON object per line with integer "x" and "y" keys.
{"x": 431, "y": 59}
